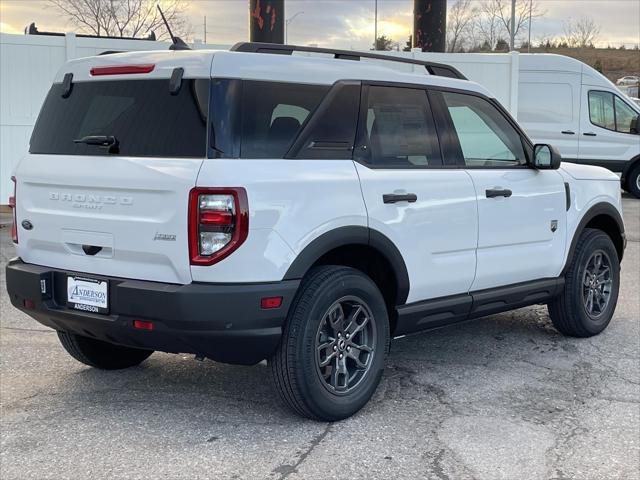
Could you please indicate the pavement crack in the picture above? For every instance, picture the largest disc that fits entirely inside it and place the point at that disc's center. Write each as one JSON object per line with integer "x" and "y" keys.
{"x": 286, "y": 469}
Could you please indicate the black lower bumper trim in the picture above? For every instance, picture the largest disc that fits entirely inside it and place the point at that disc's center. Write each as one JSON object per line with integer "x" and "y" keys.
{"x": 224, "y": 322}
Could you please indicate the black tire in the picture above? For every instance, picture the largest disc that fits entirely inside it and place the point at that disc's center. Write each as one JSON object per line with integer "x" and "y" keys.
{"x": 102, "y": 355}
{"x": 632, "y": 181}
{"x": 569, "y": 311}
{"x": 296, "y": 367}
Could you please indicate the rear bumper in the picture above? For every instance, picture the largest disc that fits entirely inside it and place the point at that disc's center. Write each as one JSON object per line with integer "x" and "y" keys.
{"x": 223, "y": 322}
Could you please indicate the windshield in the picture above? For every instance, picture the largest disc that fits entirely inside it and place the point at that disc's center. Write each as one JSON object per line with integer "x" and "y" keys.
{"x": 142, "y": 115}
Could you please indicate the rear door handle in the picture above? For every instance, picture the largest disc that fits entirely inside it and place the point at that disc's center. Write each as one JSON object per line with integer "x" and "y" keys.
{"x": 568, "y": 132}
{"x": 402, "y": 197}
{"x": 498, "y": 192}
{"x": 590, "y": 134}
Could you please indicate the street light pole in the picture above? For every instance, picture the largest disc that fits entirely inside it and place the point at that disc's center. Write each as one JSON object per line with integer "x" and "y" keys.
{"x": 375, "y": 26}
{"x": 512, "y": 45}
{"x": 286, "y": 25}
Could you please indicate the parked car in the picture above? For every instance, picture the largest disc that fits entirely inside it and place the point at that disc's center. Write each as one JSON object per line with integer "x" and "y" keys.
{"x": 628, "y": 80}
{"x": 245, "y": 205}
{"x": 636, "y": 101}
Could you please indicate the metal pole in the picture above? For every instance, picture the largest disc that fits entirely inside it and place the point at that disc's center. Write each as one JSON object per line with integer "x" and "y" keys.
{"x": 512, "y": 45}
{"x": 530, "y": 13}
{"x": 375, "y": 26}
{"x": 205, "y": 29}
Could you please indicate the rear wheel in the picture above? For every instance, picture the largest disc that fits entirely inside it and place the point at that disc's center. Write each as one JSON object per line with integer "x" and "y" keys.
{"x": 334, "y": 344}
{"x": 591, "y": 288}
{"x": 633, "y": 181}
{"x": 99, "y": 354}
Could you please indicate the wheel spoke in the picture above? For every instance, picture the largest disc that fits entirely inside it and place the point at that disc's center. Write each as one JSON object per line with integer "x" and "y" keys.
{"x": 603, "y": 273}
{"x": 354, "y": 354}
{"x": 327, "y": 360}
{"x": 353, "y": 318}
{"x": 597, "y": 263}
{"x": 336, "y": 318}
{"x": 590, "y": 301}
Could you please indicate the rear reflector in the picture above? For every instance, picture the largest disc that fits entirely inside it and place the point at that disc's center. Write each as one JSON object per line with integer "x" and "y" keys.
{"x": 29, "y": 304}
{"x": 270, "y": 302}
{"x": 142, "y": 325}
{"x": 122, "y": 69}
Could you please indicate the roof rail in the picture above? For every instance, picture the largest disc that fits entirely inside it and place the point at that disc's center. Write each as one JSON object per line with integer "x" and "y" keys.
{"x": 439, "y": 69}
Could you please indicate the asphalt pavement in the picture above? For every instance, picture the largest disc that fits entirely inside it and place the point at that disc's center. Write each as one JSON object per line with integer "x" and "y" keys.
{"x": 504, "y": 397}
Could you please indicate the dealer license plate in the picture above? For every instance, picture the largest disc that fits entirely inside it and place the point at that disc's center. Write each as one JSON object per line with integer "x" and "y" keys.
{"x": 88, "y": 294}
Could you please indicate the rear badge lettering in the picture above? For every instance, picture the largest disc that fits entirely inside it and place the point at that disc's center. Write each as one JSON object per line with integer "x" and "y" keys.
{"x": 90, "y": 201}
{"x": 165, "y": 237}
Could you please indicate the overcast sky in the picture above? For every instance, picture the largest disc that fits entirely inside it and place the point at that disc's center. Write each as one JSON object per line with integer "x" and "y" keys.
{"x": 346, "y": 23}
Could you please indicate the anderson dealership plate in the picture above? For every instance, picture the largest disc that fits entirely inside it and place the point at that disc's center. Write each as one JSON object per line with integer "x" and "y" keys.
{"x": 88, "y": 294}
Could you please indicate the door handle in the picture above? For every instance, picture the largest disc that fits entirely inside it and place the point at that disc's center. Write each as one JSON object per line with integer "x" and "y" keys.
{"x": 568, "y": 132}
{"x": 590, "y": 134}
{"x": 402, "y": 197}
{"x": 498, "y": 192}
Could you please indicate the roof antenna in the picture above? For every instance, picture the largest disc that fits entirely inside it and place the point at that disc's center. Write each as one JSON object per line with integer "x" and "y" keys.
{"x": 178, "y": 43}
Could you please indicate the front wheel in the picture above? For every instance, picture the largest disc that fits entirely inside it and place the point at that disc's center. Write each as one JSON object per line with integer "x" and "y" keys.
{"x": 334, "y": 344}
{"x": 591, "y": 287}
{"x": 633, "y": 181}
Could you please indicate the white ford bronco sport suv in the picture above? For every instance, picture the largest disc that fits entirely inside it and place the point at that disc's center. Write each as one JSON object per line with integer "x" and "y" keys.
{"x": 305, "y": 208}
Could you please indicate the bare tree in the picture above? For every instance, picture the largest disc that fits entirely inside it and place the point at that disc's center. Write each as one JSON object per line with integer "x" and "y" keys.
{"x": 581, "y": 33}
{"x": 497, "y": 18}
{"x": 460, "y": 19}
{"x": 125, "y": 18}
{"x": 488, "y": 25}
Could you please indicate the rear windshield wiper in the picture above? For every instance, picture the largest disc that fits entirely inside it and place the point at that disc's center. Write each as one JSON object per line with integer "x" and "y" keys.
{"x": 106, "y": 141}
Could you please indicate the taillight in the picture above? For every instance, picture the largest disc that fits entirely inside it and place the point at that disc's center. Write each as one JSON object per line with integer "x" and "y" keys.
{"x": 218, "y": 223}
{"x": 12, "y": 204}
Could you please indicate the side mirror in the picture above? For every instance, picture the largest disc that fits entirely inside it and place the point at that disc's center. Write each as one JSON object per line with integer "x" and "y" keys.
{"x": 546, "y": 157}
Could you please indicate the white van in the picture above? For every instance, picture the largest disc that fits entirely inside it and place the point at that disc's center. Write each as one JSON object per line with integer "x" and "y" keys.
{"x": 560, "y": 101}
{"x": 563, "y": 102}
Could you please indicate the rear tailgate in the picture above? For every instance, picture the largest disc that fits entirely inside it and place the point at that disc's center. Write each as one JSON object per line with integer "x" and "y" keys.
{"x": 115, "y": 211}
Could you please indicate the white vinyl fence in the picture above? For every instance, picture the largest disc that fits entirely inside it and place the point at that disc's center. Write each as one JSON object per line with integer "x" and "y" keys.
{"x": 28, "y": 64}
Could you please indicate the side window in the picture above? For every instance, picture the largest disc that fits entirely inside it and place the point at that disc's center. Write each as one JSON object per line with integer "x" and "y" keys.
{"x": 399, "y": 129}
{"x": 624, "y": 115}
{"x": 601, "y": 112}
{"x": 272, "y": 114}
{"x": 486, "y": 137}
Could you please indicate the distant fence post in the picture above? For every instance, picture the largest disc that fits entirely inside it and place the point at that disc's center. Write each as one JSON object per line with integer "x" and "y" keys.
{"x": 70, "y": 43}
{"x": 513, "y": 84}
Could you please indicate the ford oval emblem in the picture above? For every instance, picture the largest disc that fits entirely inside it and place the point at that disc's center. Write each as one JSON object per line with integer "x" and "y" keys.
{"x": 27, "y": 225}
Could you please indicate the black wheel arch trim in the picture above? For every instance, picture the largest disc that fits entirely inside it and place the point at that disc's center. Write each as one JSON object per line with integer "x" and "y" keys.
{"x": 353, "y": 235}
{"x": 601, "y": 208}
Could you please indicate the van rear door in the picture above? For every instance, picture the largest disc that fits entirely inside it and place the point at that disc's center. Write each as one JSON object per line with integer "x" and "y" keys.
{"x": 105, "y": 185}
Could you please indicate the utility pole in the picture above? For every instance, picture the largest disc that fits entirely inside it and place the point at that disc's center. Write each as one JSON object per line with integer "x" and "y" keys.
{"x": 205, "y": 29}
{"x": 375, "y": 26}
{"x": 530, "y": 14}
{"x": 512, "y": 43}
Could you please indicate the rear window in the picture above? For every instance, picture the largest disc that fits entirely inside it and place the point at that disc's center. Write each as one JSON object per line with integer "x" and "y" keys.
{"x": 142, "y": 115}
{"x": 272, "y": 114}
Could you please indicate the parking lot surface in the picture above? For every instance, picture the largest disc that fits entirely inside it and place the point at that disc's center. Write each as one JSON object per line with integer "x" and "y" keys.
{"x": 504, "y": 397}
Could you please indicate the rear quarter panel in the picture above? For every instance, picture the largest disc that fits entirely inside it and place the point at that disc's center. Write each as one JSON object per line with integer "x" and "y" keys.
{"x": 291, "y": 202}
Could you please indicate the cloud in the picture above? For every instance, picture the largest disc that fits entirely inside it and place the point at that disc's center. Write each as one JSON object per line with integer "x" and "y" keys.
{"x": 344, "y": 23}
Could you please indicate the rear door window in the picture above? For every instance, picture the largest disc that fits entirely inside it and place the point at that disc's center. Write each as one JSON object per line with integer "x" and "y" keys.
{"x": 273, "y": 114}
{"x": 142, "y": 115}
{"x": 399, "y": 129}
